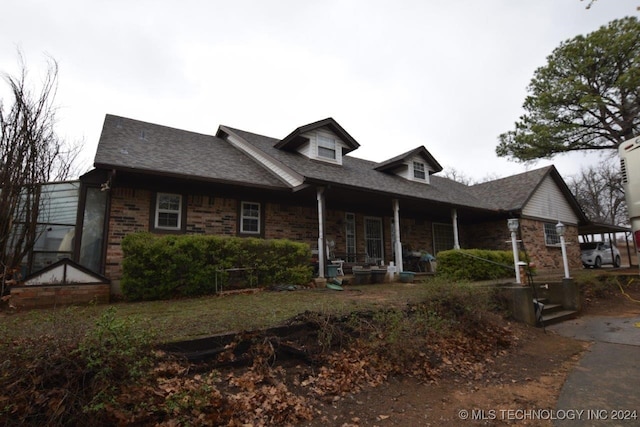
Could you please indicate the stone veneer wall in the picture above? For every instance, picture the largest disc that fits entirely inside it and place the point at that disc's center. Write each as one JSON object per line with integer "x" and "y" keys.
{"x": 549, "y": 258}
{"x": 496, "y": 235}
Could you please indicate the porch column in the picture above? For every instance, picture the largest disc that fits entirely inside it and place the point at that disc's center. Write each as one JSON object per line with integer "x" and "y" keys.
{"x": 397, "y": 244}
{"x": 321, "y": 245}
{"x": 454, "y": 220}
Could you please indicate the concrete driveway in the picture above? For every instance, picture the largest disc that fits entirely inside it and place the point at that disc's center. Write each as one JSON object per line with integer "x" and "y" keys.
{"x": 604, "y": 388}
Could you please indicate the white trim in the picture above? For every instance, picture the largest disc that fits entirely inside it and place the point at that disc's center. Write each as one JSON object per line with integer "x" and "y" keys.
{"x": 322, "y": 255}
{"x": 553, "y": 233}
{"x": 242, "y": 217}
{"x": 315, "y": 144}
{"x": 366, "y": 237}
{"x": 348, "y": 217}
{"x": 454, "y": 221}
{"x": 415, "y": 170}
{"x": 282, "y": 171}
{"x": 397, "y": 243}
{"x": 158, "y": 210}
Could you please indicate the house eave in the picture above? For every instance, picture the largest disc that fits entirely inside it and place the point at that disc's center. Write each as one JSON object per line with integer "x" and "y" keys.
{"x": 185, "y": 177}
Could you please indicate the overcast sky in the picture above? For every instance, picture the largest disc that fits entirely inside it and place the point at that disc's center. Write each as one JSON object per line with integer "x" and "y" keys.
{"x": 447, "y": 74}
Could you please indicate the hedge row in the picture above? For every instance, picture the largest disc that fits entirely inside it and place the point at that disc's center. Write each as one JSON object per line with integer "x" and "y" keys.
{"x": 476, "y": 264}
{"x": 163, "y": 267}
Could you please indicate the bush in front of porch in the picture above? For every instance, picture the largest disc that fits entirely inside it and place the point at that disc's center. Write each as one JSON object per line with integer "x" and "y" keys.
{"x": 476, "y": 264}
{"x": 170, "y": 266}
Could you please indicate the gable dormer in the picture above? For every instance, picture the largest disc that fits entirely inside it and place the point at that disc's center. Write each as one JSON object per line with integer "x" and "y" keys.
{"x": 415, "y": 165}
{"x": 324, "y": 140}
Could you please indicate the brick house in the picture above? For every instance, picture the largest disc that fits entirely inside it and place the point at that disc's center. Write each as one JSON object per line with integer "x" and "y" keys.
{"x": 309, "y": 188}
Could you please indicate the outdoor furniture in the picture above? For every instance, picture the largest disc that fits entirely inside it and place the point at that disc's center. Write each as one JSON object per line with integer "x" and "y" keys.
{"x": 339, "y": 263}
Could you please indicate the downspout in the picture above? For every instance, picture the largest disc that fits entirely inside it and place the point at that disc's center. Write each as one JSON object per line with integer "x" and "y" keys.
{"x": 454, "y": 220}
{"x": 321, "y": 245}
{"x": 397, "y": 243}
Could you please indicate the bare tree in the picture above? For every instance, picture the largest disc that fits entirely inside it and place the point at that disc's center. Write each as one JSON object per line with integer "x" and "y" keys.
{"x": 461, "y": 177}
{"x": 458, "y": 176}
{"x": 599, "y": 191}
{"x": 32, "y": 154}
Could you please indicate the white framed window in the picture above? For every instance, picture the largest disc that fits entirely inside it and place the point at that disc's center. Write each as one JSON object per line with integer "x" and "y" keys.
{"x": 168, "y": 215}
{"x": 250, "y": 218}
{"x": 350, "y": 236}
{"x": 373, "y": 238}
{"x": 326, "y": 147}
{"x": 551, "y": 237}
{"x": 419, "y": 171}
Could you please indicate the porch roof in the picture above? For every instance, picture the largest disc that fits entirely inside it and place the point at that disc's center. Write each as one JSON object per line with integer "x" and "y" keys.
{"x": 601, "y": 228}
{"x": 359, "y": 174}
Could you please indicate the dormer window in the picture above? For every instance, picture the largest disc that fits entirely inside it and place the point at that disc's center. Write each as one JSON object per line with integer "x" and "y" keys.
{"x": 416, "y": 165}
{"x": 326, "y": 147}
{"x": 325, "y": 141}
{"x": 419, "y": 171}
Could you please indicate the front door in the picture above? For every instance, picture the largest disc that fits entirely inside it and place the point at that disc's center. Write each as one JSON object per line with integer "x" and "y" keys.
{"x": 373, "y": 239}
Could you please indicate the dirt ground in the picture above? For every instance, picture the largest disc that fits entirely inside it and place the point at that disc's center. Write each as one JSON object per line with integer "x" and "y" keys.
{"x": 528, "y": 377}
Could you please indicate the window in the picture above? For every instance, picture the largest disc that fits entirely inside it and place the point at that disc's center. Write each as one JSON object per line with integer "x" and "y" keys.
{"x": 442, "y": 237}
{"x": 350, "y": 234}
{"x": 91, "y": 244}
{"x": 168, "y": 211}
{"x": 551, "y": 237}
{"x": 250, "y": 218}
{"x": 373, "y": 239}
{"x": 326, "y": 147}
{"x": 418, "y": 171}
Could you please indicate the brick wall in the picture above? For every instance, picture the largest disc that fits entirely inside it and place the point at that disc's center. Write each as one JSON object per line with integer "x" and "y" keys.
{"x": 37, "y": 296}
{"x": 496, "y": 235}
{"x": 298, "y": 223}
{"x": 416, "y": 234}
{"x": 131, "y": 210}
{"x": 549, "y": 258}
{"x": 129, "y": 213}
{"x": 211, "y": 215}
{"x": 492, "y": 235}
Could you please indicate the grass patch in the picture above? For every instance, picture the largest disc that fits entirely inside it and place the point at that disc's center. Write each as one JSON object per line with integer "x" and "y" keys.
{"x": 198, "y": 317}
{"x": 80, "y": 365}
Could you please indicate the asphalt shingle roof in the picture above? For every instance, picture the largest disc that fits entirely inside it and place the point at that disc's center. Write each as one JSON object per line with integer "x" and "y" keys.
{"x": 361, "y": 174}
{"x": 145, "y": 147}
{"x": 513, "y": 192}
{"x": 149, "y": 148}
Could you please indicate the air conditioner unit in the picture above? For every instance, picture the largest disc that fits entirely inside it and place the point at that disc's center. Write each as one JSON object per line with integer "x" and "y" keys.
{"x": 629, "y": 153}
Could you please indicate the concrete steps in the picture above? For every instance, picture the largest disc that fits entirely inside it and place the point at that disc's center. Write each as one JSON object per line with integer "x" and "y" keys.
{"x": 555, "y": 313}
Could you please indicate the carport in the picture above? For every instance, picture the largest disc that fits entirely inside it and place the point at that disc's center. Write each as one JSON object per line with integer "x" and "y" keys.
{"x": 589, "y": 231}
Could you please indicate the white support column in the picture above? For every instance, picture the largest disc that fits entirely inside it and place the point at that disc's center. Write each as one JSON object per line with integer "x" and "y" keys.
{"x": 565, "y": 261}
{"x": 397, "y": 243}
{"x": 513, "y": 224}
{"x": 516, "y": 257}
{"x": 454, "y": 220}
{"x": 321, "y": 245}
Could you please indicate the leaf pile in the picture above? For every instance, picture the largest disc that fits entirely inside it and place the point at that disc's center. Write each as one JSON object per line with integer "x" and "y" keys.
{"x": 257, "y": 380}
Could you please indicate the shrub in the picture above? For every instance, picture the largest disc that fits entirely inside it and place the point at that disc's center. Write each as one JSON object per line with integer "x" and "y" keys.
{"x": 475, "y": 264}
{"x": 72, "y": 374}
{"x": 162, "y": 267}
